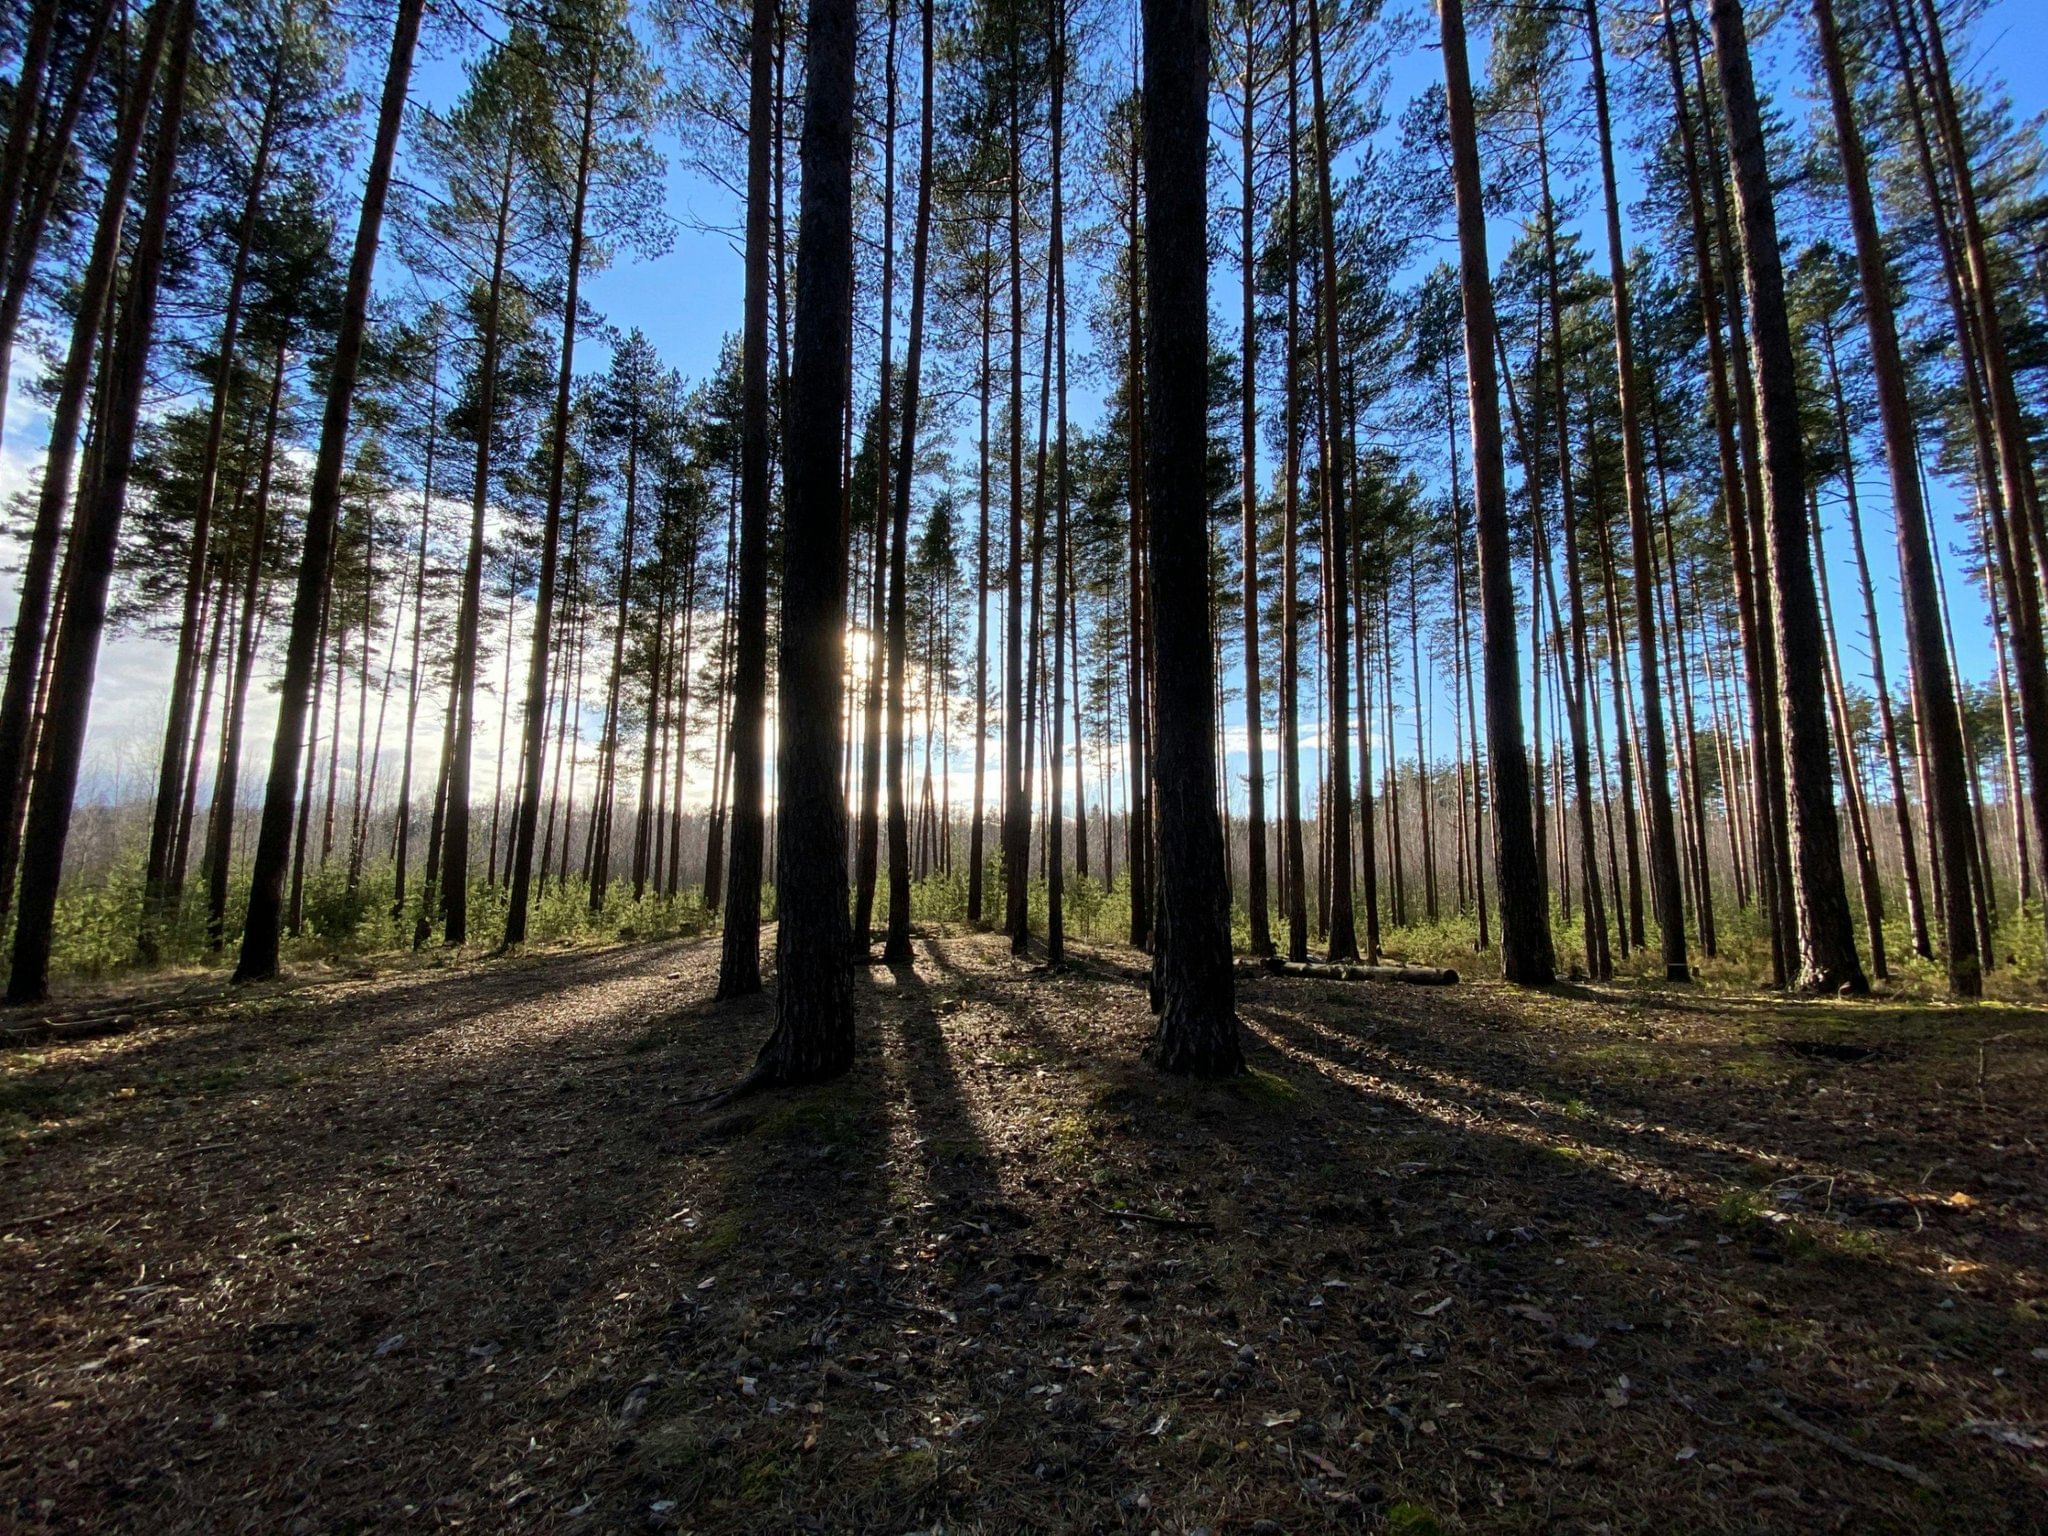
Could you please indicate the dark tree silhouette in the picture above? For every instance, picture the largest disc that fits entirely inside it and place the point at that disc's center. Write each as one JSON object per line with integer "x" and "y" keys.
{"x": 813, "y": 1036}
{"x": 1198, "y": 1032}
{"x": 261, "y": 928}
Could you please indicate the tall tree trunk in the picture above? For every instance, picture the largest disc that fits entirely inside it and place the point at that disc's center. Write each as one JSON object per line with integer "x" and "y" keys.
{"x": 1827, "y": 946}
{"x": 1940, "y": 736}
{"x": 1343, "y": 935}
{"x": 1197, "y": 1031}
{"x": 1016, "y": 792}
{"x": 220, "y": 828}
{"x": 985, "y": 382}
{"x": 527, "y": 817}
{"x": 813, "y": 1036}
{"x": 259, "y": 955}
{"x": 896, "y": 946}
{"x": 1056, "y": 295}
{"x": 30, "y": 650}
{"x": 1256, "y": 900}
{"x": 1738, "y": 481}
{"x": 1137, "y": 819}
{"x": 1664, "y": 870}
{"x": 1526, "y": 954}
{"x": 739, "y": 966}
{"x": 402, "y": 844}
{"x": 94, "y": 538}
{"x": 160, "y": 890}
{"x": 454, "y": 843}
{"x": 1293, "y": 862}
{"x": 1852, "y": 781}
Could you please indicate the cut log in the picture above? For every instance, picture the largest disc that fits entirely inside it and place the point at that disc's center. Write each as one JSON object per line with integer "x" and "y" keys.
{"x": 1412, "y": 975}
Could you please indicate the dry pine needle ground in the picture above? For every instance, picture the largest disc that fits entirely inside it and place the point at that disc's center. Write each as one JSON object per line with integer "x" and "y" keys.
{"x": 454, "y": 1250}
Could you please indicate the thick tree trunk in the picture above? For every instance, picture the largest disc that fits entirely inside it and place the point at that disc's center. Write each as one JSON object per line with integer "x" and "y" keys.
{"x": 1739, "y": 483}
{"x": 30, "y": 651}
{"x": 813, "y": 1036}
{"x": 1197, "y": 1030}
{"x": 75, "y": 652}
{"x": 1827, "y": 946}
{"x": 1526, "y": 953}
{"x": 259, "y": 954}
{"x": 1941, "y": 743}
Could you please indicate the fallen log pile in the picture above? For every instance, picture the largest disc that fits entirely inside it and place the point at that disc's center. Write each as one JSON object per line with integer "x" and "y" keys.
{"x": 1315, "y": 970}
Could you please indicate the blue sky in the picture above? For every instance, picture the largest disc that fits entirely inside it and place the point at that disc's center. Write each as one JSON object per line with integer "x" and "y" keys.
{"x": 689, "y": 299}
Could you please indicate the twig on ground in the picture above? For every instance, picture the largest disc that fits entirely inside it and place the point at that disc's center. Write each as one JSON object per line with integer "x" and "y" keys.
{"x": 1849, "y": 1448}
{"x": 58, "y": 1214}
{"x": 1153, "y": 1218}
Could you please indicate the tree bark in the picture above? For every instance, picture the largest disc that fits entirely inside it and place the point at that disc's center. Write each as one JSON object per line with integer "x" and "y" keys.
{"x": 1526, "y": 953}
{"x": 739, "y": 966}
{"x": 1664, "y": 869}
{"x": 259, "y": 954}
{"x": 1941, "y": 743}
{"x": 896, "y": 945}
{"x": 813, "y": 1036}
{"x": 526, "y": 819}
{"x": 1827, "y": 946}
{"x": 94, "y": 537}
{"x": 1197, "y": 1031}
{"x": 26, "y": 658}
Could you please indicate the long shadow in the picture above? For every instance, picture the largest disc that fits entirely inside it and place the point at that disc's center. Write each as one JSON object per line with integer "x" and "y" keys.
{"x": 1662, "y": 1128}
{"x": 1417, "y": 1188}
{"x": 401, "y": 1252}
{"x": 606, "y": 1302}
{"x": 328, "y": 1026}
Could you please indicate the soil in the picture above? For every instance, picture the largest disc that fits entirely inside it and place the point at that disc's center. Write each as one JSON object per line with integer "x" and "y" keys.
{"x": 464, "y": 1248}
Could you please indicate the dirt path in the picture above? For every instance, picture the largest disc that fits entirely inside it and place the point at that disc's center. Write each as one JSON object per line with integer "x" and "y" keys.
{"x": 454, "y": 1250}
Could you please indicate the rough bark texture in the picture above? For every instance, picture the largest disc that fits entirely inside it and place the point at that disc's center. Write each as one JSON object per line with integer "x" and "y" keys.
{"x": 266, "y": 887}
{"x": 1526, "y": 952}
{"x": 1827, "y": 945}
{"x": 813, "y": 1036}
{"x": 94, "y": 538}
{"x": 1657, "y": 771}
{"x": 1941, "y": 741}
{"x": 1197, "y": 1031}
{"x": 739, "y": 968}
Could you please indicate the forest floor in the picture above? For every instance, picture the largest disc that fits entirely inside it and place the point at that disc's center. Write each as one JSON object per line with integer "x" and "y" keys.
{"x": 454, "y": 1248}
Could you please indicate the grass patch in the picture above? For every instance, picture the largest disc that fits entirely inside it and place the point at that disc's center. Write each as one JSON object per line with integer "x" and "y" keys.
{"x": 1407, "y": 1518}
{"x": 1265, "y": 1090}
{"x": 1072, "y": 1139}
{"x": 822, "y": 1117}
{"x": 721, "y": 1234}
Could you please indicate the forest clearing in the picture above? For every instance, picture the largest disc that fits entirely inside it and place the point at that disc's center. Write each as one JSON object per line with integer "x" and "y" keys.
{"x": 455, "y": 1248}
